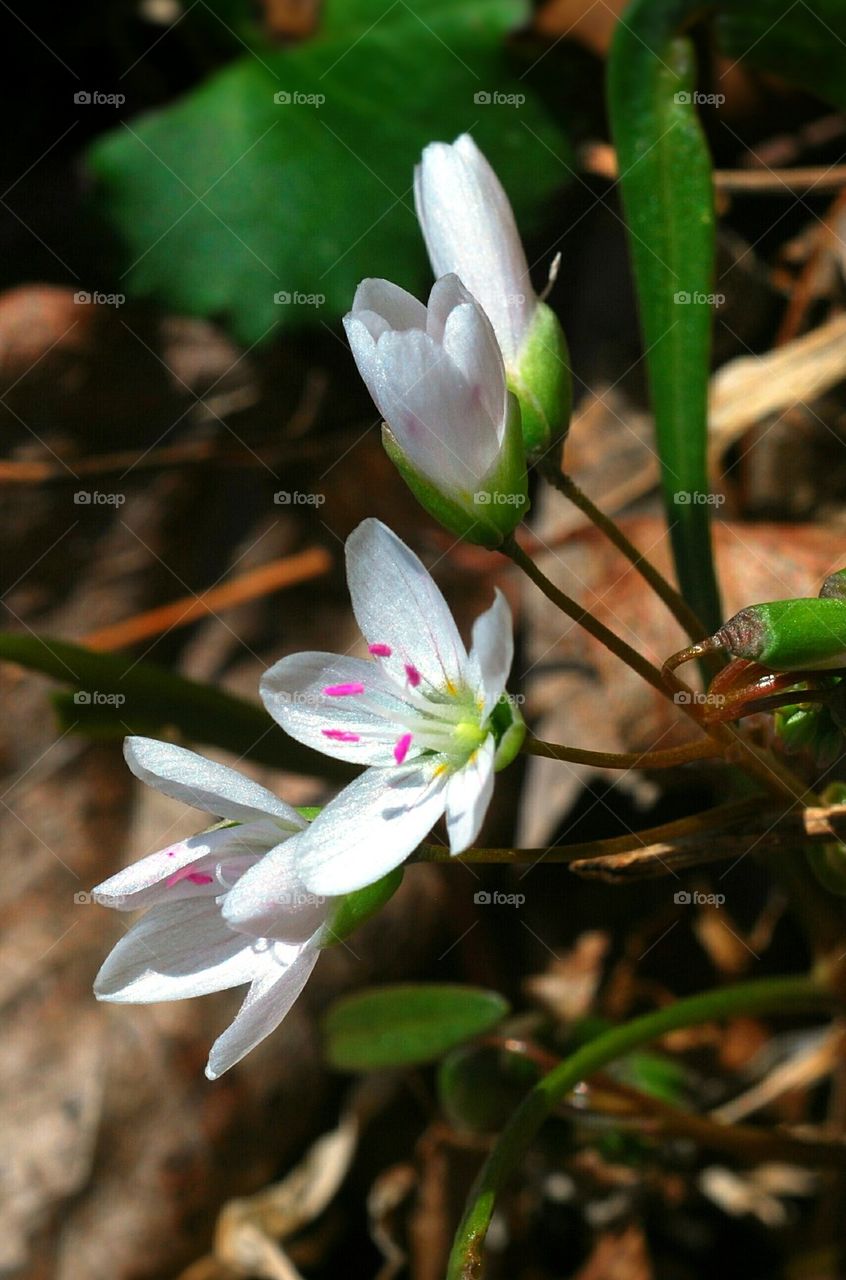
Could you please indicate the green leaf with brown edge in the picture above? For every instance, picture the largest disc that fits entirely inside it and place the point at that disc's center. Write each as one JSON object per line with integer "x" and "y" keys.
{"x": 407, "y": 1024}
{"x": 154, "y": 700}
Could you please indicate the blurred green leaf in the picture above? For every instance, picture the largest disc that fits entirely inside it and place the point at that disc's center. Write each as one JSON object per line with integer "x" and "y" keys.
{"x": 227, "y": 198}
{"x": 656, "y": 1075}
{"x": 665, "y": 179}
{"x": 407, "y": 1023}
{"x": 118, "y": 695}
{"x": 804, "y": 42}
{"x": 480, "y": 1085}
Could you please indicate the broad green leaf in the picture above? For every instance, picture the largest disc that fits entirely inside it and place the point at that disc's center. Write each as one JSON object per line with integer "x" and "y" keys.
{"x": 665, "y": 179}
{"x": 229, "y": 198}
{"x": 480, "y": 1085}
{"x": 117, "y": 695}
{"x": 408, "y": 1023}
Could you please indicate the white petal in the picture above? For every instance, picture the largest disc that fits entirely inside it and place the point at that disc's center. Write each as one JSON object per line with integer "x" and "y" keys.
{"x": 146, "y": 881}
{"x": 492, "y": 651}
{"x": 201, "y": 783}
{"x": 370, "y": 828}
{"x": 396, "y": 602}
{"x": 399, "y": 308}
{"x": 362, "y": 331}
{"x": 175, "y": 951}
{"x": 268, "y": 1000}
{"x": 468, "y": 795}
{"x": 446, "y": 294}
{"x": 469, "y": 228}
{"x": 471, "y": 344}
{"x": 292, "y": 691}
{"x": 438, "y": 419}
{"x": 271, "y": 901}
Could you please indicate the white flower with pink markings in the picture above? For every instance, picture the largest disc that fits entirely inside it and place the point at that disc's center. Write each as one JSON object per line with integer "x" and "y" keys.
{"x": 431, "y": 721}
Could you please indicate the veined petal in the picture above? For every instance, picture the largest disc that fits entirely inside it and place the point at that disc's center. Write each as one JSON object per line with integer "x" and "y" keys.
{"x": 469, "y": 229}
{"x": 268, "y": 1001}
{"x": 271, "y": 901}
{"x": 370, "y": 828}
{"x": 470, "y": 342}
{"x": 204, "y": 785}
{"x": 293, "y": 692}
{"x": 438, "y": 419}
{"x": 492, "y": 651}
{"x": 396, "y": 602}
{"x": 399, "y": 308}
{"x": 175, "y": 951}
{"x": 468, "y": 794}
{"x": 146, "y": 881}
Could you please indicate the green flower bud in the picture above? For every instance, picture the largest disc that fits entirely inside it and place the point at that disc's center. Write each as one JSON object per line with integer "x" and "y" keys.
{"x": 540, "y": 379}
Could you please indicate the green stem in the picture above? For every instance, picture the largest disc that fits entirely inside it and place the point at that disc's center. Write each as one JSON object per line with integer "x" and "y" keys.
{"x": 677, "y": 605}
{"x": 765, "y": 996}
{"x": 705, "y": 749}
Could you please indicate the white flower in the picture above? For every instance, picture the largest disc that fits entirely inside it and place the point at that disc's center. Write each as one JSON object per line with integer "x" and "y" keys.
{"x": 438, "y": 379}
{"x": 469, "y": 228}
{"x": 183, "y": 945}
{"x": 426, "y": 717}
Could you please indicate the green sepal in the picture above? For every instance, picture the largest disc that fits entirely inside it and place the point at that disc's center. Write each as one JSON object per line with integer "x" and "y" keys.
{"x": 509, "y": 729}
{"x": 485, "y": 523}
{"x": 543, "y": 383}
{"x": 791, "y": 635}
{"x": 356, "y": 908}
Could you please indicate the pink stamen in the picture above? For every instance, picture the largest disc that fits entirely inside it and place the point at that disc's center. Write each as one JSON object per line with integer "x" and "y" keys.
{"x": 380, "y": 650}
{"x": 185, "y": 873}
{"x": 343, "y": 690}
{"x": 401, "y": 748}
{"x": 413, "y": 675}
{"x": 340, "y": 735}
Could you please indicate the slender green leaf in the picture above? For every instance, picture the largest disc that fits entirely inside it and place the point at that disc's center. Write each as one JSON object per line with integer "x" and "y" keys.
{"x": 117, "y": 695}
{"x": 407, "y": 1023}
{"x": 805, "y": 42}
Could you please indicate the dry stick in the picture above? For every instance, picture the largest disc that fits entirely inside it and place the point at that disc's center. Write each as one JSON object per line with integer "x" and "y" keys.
{"x": 267, "y": 578}
{"x": 677, "y": 605}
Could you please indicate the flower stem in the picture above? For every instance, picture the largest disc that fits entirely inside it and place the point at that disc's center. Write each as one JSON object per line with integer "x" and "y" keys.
{"x": 764, "y": 996}
{"x": 705, "y": 749}
{"x": 677, "y": 605}
{"x": 585, "y": 618}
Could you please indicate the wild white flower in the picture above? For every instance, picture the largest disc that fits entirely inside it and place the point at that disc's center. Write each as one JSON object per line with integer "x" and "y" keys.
{"x": 183, "y": 946}
{"x": 437, "y": 377}
{"x": 430, "y": 721}
{"x": 469, "y": 228}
